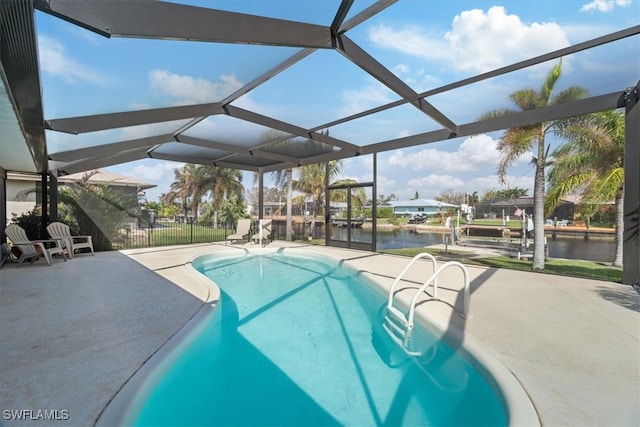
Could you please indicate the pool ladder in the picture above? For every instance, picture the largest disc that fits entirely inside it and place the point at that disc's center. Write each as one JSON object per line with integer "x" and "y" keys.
{"x": 399, "y": 325}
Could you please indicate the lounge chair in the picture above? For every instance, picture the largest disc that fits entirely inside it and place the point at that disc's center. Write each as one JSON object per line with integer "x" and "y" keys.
{"x": 265, "y": 237}
{"x": 33, "y": 249}
{"x": 60, "y": 231}
{"x": 242, "y": 231}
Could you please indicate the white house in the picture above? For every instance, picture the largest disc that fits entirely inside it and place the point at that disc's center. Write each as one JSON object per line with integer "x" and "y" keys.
{"x": 21, "y": 197}
{"x": 420, "y": 206}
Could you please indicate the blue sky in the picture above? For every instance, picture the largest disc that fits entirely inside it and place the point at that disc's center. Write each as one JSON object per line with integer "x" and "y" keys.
{"x": 425, "y": 43}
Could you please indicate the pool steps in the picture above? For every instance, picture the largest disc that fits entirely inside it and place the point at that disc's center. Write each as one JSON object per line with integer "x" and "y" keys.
{"x": 399, "y": 325}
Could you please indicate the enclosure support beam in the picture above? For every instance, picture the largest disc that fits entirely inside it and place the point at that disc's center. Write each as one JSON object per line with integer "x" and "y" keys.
{"x": 53, "y": 196}
{"x": 260, "y": 193}
{"x": 44, "y": 218}
{"x": 631, "y": 252}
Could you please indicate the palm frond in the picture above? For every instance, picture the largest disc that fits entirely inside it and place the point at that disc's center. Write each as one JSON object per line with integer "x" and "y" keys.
{"x": 549, "y": 83}
{"x": 514, "y": 143}
{"x": 497, "y": 114}
{"x": 559, "y": 189}
{"x": 572, "y": 93}
{"x": 606, "y": 187}
{"x": 525, "y": 99}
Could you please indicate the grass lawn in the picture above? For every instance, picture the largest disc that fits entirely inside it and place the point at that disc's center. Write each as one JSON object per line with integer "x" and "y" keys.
{"x": 563, "y": 267}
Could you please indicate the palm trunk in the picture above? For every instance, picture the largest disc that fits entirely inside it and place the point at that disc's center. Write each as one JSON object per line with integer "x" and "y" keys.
{"x": 289, "y": 235}
{"x": 617, "y": 259}
{"x": 538, "y": 211}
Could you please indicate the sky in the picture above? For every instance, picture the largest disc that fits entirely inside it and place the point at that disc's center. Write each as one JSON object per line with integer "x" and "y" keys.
{"x": 426, "y": 43}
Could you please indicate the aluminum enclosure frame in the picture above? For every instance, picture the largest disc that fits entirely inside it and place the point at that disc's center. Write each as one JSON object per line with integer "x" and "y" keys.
{"x": 161, "y": 20}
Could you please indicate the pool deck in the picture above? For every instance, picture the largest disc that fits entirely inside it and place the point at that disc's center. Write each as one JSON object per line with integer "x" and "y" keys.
{"x": 72, "y": 334}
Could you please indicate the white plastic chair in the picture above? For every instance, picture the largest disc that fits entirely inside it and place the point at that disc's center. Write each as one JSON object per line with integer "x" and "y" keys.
{"x": 29, "y": 248}
{"x": 60, "y": 231}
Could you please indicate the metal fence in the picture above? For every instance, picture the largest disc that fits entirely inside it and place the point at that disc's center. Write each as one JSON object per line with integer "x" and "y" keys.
{"x": 143, "y": 235}
{"x": 169, "y": 233}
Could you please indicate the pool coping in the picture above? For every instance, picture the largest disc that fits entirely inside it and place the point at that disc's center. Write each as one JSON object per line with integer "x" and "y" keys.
{"x": 123, "y": 404}
{"x": 521, "y": 410}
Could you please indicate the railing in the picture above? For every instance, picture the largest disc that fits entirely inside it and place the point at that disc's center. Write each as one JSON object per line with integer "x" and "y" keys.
{"x": 169, "y": 233}
{"x": 398, "y": 325}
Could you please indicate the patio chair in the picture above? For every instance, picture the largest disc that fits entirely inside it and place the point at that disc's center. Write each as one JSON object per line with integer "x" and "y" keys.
{"x": 242, "y": 230}
{"x": 266, "y": 233}
{"x": 32, "y": 249}
{"x": 60, "y": 231}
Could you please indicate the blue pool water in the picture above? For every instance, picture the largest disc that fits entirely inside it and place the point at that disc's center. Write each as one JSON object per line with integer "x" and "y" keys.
{"x": 297, "y": 341}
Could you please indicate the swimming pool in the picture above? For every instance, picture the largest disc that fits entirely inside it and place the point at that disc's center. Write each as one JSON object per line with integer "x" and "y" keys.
{"x": 297, "y": 340}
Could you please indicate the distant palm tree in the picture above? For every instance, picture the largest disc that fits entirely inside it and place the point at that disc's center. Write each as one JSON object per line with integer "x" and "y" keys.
{"x": 358, "y": 195}
{"x": 284, "y": 179}
{"x": 181, "y": 188}
{"x": 232, "y": 209}
{"x": 592, "y": 161}
{"x": 519, "y": 141}
{"x": 221, "y": 183}
{"x": 312, "y": 183}
{"x": 193, "y": 182}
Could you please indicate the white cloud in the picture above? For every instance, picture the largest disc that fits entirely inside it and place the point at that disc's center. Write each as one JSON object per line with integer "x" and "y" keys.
{"x": 435, "y": 184}
{"x": 191, "y": 89}
{"x": 55, "y": 61}
{"x": 473, "y": 154}
{"x": 356, "y": 101}
{"x": 477, "y": 41}
{"x": 156, "y": 172}
{"x": 604, "y": 5}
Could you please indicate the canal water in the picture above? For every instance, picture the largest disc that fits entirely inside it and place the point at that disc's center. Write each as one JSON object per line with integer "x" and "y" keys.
{"x": 593, "y": 249}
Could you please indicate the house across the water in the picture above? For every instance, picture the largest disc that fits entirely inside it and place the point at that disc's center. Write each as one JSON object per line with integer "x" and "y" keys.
{"x": 428, "y": 207}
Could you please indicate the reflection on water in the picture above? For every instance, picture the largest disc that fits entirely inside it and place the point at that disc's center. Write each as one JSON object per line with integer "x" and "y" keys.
{"x": 594, "y": 249}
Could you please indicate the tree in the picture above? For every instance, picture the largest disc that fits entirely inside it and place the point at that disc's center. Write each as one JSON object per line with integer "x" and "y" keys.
{"x": 181, "y": 189}
{"x": 193, "y": 182}
{"x": 451, "y": 196}
{"x": 312, "y": 183}
{"x": 221, "y": 184}
{"x": 232, "y": 209}
{"x": 519, "y": 141}
{"x": 284, "y": 180}
{"x": 358, "y": 195}
{"x": 96, "y": 210}
{"x": 592, "y": 162}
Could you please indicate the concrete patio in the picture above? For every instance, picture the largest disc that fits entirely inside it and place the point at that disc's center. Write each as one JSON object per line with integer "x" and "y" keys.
{"x": 73, "y": 333}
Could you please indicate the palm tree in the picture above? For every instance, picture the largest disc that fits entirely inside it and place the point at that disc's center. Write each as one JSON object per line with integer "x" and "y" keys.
{"x": 592, "y": 161}
{"x": 312, "y": 183}
{"x": 519, "y": 141}
{"x": 220, "y": 184}
{"x": 358, "y": 195}
{"x": 192, "y": 182}
{"x": 284, "y": 179}
{"x": 181, "y": 188}
{"x": 232, "y": 209}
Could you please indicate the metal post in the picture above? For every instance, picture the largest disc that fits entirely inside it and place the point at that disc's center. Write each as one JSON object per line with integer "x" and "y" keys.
{"x": 53, "y": 196}
{"x": 260, "y": 193}
{"x": 44, "y": 218}
{"x": 374, "y": 213}
{"x": 523, "y": 240}
{"x": 631, "y": 250}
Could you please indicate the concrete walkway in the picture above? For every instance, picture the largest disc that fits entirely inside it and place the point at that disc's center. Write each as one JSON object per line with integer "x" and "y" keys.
{"x": 72, "y": 334}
